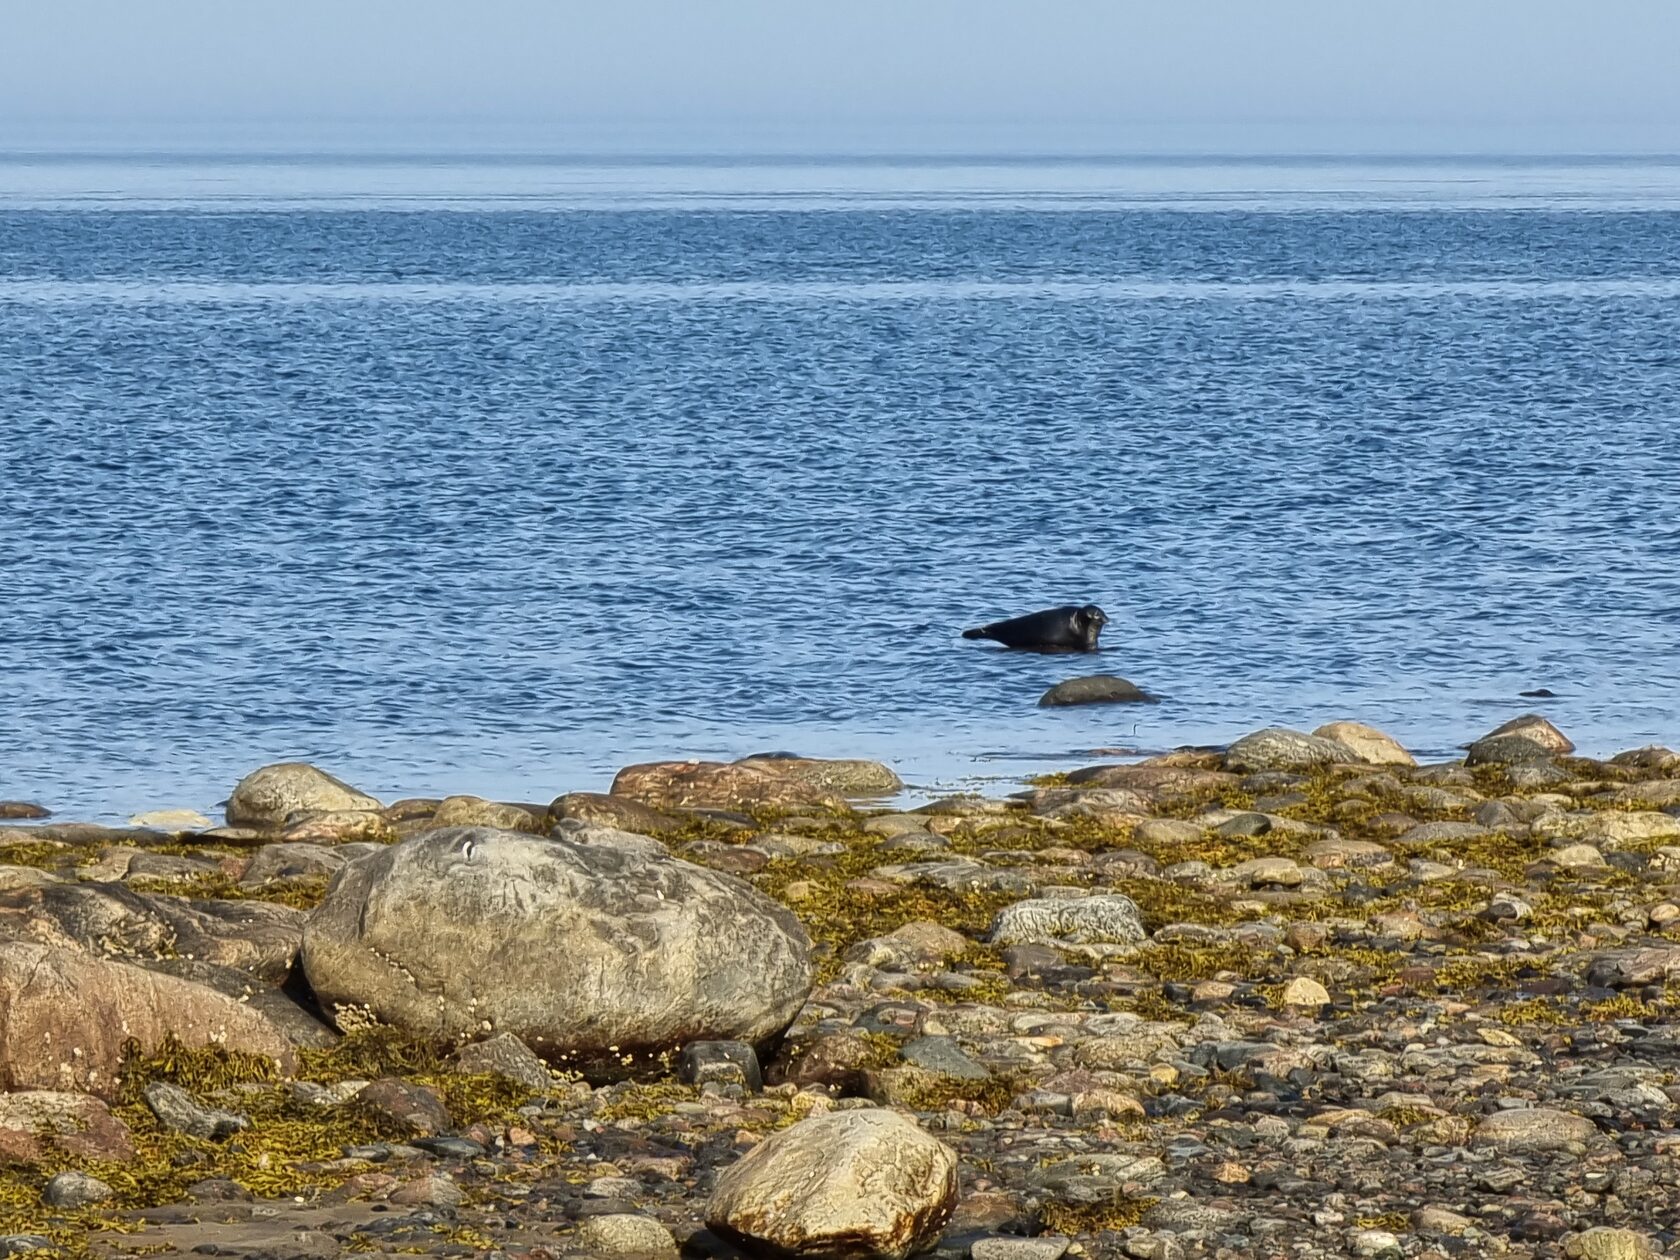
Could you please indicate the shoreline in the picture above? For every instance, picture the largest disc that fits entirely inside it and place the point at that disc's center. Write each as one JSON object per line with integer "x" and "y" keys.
{"x": 1299, "y": 995}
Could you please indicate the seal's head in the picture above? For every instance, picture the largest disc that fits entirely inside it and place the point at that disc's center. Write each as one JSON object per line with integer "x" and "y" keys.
{"x": 1089, "y": 621}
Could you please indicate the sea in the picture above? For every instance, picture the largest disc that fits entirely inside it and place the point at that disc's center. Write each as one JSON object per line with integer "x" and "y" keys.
{"x": 494, "y": 474}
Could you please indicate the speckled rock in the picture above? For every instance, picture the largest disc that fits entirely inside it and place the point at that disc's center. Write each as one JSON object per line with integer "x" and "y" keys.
{"x": 854, "y": 1184}
{"x": 1279, "y": 748}
{"x": 583, "y": 951}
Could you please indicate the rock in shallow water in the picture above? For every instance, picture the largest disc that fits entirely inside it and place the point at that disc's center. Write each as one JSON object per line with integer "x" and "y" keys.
{"x": 854, "y": 1184}
{"x": 1371, "y": 746}
{"x": 586, "y": 952}
{"x": 266, "y": 797}
{"x": 715, "y": 785}
{"x": 1095, "y": 689}
{"x": 1278, "y": 748}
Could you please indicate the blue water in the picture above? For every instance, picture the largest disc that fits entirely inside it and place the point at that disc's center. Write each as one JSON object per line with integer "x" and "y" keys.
{"x": 495, "y": 476}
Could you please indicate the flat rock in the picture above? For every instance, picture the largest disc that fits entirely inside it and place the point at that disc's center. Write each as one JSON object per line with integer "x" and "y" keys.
{"x": 586, "y": 952}
{"x": 853, "y": 1184}
{"x": 267, "y": 797}
{"x": 715, "y": 785}
{"x": 1095, "y": 689}
{"x": 338, "y": 826}
{"x": 1634, "y": 968}
{"x": 1531, "y": 1129}
{"x": 846, "y": 775}
{"x": 1603, "y": 1242}
{"x": 475, "y": 811}
{"x": 606, "y": 810}
{"x": 172, "y": 820}
{"x": 1105, "y": 919}
{"x": 257, "y": 937}
{"x": 36, "y": 1124}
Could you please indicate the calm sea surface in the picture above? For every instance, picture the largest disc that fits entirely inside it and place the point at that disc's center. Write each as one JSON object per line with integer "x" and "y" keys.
{"x": 494, "y": 476}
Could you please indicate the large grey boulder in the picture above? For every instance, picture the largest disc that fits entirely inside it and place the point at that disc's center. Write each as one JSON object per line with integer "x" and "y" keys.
{"x": 266, "y": 797}
{"x": 592, "y": 954}
{"x": 865, "y": 1183}
{"x": 1279, "y": 748}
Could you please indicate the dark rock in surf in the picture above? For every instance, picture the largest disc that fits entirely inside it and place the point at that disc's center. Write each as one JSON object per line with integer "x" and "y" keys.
{"x": 1095, "y": 689}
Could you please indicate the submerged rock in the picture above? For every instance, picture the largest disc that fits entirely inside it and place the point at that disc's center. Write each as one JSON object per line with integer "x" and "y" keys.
{"x": 1095, "y": 689}
{"x": 861, "y": 1184}
{"x": 587, "y": 952}
{"x": 267, "y": 797}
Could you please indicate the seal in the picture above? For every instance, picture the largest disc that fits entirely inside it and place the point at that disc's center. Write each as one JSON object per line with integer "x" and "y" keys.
{"x": 1070, "y": 628}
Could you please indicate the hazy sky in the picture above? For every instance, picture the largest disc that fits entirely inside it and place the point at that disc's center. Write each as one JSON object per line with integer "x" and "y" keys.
{"x": 781, "y": 74}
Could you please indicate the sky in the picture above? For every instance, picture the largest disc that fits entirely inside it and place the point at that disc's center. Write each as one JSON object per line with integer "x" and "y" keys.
{"x": 798, "y": 75}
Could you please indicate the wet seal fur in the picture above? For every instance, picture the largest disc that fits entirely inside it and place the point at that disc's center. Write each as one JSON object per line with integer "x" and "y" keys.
{"x": 1070, "y": 628}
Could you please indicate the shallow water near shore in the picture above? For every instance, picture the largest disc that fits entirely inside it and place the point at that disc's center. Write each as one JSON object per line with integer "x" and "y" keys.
{"x": 494, "y": 477}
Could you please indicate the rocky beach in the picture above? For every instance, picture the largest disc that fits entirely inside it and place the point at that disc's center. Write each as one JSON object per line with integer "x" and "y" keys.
{"x": 1298, "y": 996}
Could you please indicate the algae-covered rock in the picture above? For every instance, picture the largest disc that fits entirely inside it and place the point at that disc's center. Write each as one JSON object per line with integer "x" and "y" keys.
{"x": 865, "y": 1183}
{"x": 846, "y": 775}
{"x": 584, "y": 951}
{"x": 715, "y": 785}
{"x": 65, "y": 1016}
{"x": 267, "y": 797}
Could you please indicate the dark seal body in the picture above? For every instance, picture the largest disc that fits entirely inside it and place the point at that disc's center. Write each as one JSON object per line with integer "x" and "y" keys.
{"x": 1071, "y": 628}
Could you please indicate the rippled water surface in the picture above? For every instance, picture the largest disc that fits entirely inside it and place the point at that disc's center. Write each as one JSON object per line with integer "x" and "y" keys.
{"x": 495, "y": 476}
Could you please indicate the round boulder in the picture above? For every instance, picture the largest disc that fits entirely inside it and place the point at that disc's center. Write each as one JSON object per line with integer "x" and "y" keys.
{"x": 267, "y": 797}
{"x": 852, "y": 1184}
{"x": 1373, "y": 747}
{"x": 1095, "y": 689}
{"x": 595, "y": 955}
{"x": 1278, "y": 748}
{"x": 1532, "y": 726}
